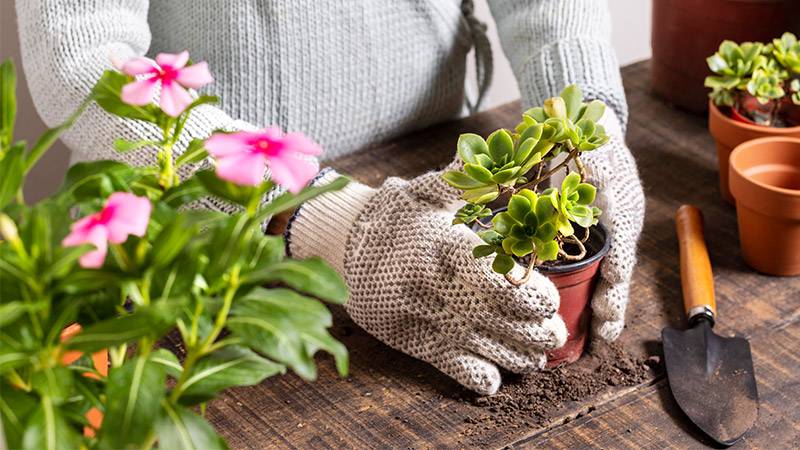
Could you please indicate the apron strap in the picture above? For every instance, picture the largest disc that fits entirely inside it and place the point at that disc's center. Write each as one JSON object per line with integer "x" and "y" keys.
{"x": 484, "y": 65}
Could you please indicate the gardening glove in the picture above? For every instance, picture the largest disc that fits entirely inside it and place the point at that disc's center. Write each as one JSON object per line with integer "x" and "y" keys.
{"x": 415, "y": 285}
{"x": 620, "y": 196}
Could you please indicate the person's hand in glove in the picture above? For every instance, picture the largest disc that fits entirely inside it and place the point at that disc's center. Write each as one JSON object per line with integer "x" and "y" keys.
{"x": 415, "y": 285}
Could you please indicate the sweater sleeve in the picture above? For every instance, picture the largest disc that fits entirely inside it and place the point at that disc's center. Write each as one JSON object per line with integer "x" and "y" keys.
{"x": 553, "y": 43}
{"x": 66, "y": 46}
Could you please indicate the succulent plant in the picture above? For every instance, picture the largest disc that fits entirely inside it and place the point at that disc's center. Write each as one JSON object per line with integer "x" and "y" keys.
{"x": 786, "y": 51}
{"x": 733, "y": 65}
{"x": 535, "y": 225}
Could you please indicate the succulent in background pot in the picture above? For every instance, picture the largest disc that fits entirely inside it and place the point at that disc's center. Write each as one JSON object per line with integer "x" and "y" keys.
{"x": 755, "y": 93}
{"x": 554, "y": 231}
{"x": 765, "y": 181}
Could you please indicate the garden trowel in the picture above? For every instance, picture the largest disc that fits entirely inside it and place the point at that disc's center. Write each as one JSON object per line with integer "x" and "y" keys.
{"x": 711, "y": 377}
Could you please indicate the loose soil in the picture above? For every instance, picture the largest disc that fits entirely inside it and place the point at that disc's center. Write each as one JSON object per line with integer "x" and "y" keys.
{"x": 537, "y": 399}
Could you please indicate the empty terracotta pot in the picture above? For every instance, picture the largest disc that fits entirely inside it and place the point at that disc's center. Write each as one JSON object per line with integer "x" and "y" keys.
{"x": 576, "y": 282}
{"x": 729, "y": 133}
{"x": 685, "y": 32}
{"x": 765, "y": 181}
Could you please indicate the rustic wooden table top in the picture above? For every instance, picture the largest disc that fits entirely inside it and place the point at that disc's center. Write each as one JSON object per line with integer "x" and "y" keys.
{"x": 393, "y": 401}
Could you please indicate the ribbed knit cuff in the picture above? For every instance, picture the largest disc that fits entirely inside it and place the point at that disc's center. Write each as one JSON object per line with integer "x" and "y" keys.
{"x": 589, "y": 63}
{"x": 320, "y": 227}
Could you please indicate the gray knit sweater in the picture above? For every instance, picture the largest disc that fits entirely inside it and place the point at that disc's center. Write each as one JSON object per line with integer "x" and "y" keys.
{"x": 347, "y": 73}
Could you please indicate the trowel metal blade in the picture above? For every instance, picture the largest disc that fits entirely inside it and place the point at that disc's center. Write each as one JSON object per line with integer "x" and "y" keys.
{"x": 712, "y": 379}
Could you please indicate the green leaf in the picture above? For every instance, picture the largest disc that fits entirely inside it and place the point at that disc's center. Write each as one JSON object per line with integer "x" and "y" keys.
{"x": 180, "y": 429}
{"x": 522, "y": 248}
{"x": 234, "y": 193}
{"x": 12, "y": 173}
{"x": 501, "y": 146}
{"x": 504, "y": 176}
{"x": 11, "y": 359}
{"x": 288, "y": 201}
{"x": 134, "y": 392}
{"x": 168, "y": 361}
{"x": 8, "y": 103}
{"x": 564, "y": 226}
{"x": 286, "y": 327}
{"x": 11, "y": 311}
{"x": 107, "y": 92}
{"x": 481, "y": 195}
{"x": 570, "y": 183}
{"x": 53, "y": 382}
{"x": 171, "y": 241}
{"x": 478, "y": 172}
{"x": 537, "y": 113}
{"x": 582, "y": 215}
{"x": 97, "y": 179}
{"x": 16, "y": 407}
{"x": 311, "y": 276}
{"x": 469, "y": 145}
{"x": 594, "y": 111}
{"x": 502, "y": 263}
{"x": 194, "y": 153}
{"x": 482, "y": 251}
{"x": 518, "y": 207}
{"x": 586, "y": 193}
{"x": 525, "y": 150}
{"x": 547, "y": 251}
{"x": 124, "y": 145}
{"x": 48, "y": 429}
{"x": 152, "y": 321}
{"x": 546, "y": 232}
{"x": 503, "y": 222}
{"x": 491, "y": 237}
{"x": 49, "y": 137}
{"x": 461, "y": 180}
{"x": 573, "y": 100}
{"x": 228, "y": 367}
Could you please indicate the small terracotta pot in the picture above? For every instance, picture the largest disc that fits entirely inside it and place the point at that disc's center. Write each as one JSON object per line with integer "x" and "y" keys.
{"x": 765, "y": 181}
{"x": 100, "y": 360}
{"x": 685, "y": 32}
{"x": 729, "y": 133}
{"x": 576, "y": 282}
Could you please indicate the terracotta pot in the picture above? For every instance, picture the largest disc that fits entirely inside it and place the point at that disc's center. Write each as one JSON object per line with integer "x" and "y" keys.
{"x": 729, "y": 133}
{"x": 685, "y": 32}
{"x": 100, "y": 361}
{"x": 765, "y": 181}
{"x": 575, "y": 282}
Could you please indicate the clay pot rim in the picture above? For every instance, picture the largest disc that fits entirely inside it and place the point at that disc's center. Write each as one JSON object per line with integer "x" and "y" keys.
{"x": 577, "y": 265}
{"x": 737, "y": 172}
{"x": 715, "y": 112}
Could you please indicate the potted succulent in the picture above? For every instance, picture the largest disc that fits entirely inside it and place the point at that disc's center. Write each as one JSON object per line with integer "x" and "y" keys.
{"x": 765, "y": 181}
{"x": 684, "y": 32}
{"x": 118, "y": 257}
{"x": 755, "y": 93}
{"x": 554, "y": 230}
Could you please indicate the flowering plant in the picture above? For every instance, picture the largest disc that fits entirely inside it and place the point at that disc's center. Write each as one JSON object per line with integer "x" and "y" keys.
{"x": 511, "y": 165}
{"x": 140, "y": 262}
{"x": 756, "y": 79}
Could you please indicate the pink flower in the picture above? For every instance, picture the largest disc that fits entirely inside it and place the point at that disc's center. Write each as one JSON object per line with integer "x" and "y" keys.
{"x": 169, "y": 70}
{"x": 124, "y": 214}
{"x": 242, "y": 157}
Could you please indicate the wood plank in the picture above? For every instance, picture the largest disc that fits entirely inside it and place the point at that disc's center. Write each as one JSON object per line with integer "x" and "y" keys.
{"x": 650, "y": 418}
{"x": 391, "y": 400}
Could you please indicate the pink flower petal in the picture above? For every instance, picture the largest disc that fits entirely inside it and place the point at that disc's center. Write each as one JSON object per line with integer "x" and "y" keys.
{"x": 174, "y": 99}
{"x": 224, "y": 144}
{"x": 292, "y": 171}
{"x": 138, "y": 66}
{"x": 300, "y": 143}
{"x": 244, "y": 168}
{"x": 139, "y": 92}
{"x": 94, "y": 258}
{"x": 173, "y": 60}
{"x": 80, "y": 231}
{"x": 129, "y": 214}
{"x": 194, "y": 76}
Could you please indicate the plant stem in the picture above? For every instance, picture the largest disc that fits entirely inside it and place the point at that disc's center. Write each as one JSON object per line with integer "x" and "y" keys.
{"x": 581, "y": 168}
{"x": 572, "y": 155}
{"x": 525, "y": 278}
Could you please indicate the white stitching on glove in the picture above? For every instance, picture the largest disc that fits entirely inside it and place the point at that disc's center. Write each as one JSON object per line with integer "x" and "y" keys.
{"x": 415, "y": 285}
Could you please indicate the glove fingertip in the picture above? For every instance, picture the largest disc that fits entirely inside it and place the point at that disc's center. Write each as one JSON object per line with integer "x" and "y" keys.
{"x": 608, "y": 330}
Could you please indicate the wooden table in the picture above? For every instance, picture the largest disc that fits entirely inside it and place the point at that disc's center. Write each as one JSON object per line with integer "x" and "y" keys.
{"x": 393, "y": 401}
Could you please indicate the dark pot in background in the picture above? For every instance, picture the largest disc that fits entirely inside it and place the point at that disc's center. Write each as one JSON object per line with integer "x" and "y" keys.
{"x": 765, "y": 180}
{"x": 686, "y": 32}
{"x": 729, "y": 133}
{"x": 575, "y": 282}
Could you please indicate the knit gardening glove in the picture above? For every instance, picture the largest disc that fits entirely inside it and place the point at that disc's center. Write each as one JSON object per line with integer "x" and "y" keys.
{"x": 620, "y": 196}
{"x": 415, "y": 285}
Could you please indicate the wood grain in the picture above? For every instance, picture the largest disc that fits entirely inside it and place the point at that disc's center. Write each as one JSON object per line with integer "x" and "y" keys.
{"x": 393, "y": 401}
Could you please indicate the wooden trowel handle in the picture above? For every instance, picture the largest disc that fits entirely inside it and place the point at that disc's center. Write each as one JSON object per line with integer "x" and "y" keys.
{"x": 696, "y": 277}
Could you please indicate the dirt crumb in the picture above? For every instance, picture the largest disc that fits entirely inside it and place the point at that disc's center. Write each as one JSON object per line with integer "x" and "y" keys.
{"x": 537, "y": 399}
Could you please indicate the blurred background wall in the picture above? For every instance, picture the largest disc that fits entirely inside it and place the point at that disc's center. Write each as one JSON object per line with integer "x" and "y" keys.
{"x": 631, "y": 37}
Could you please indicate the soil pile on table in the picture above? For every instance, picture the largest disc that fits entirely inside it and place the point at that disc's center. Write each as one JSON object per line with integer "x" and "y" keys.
{"x": 539, "y": 398}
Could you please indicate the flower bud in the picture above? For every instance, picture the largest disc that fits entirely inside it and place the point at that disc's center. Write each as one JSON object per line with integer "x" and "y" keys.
{"x": 555, "y": 107}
